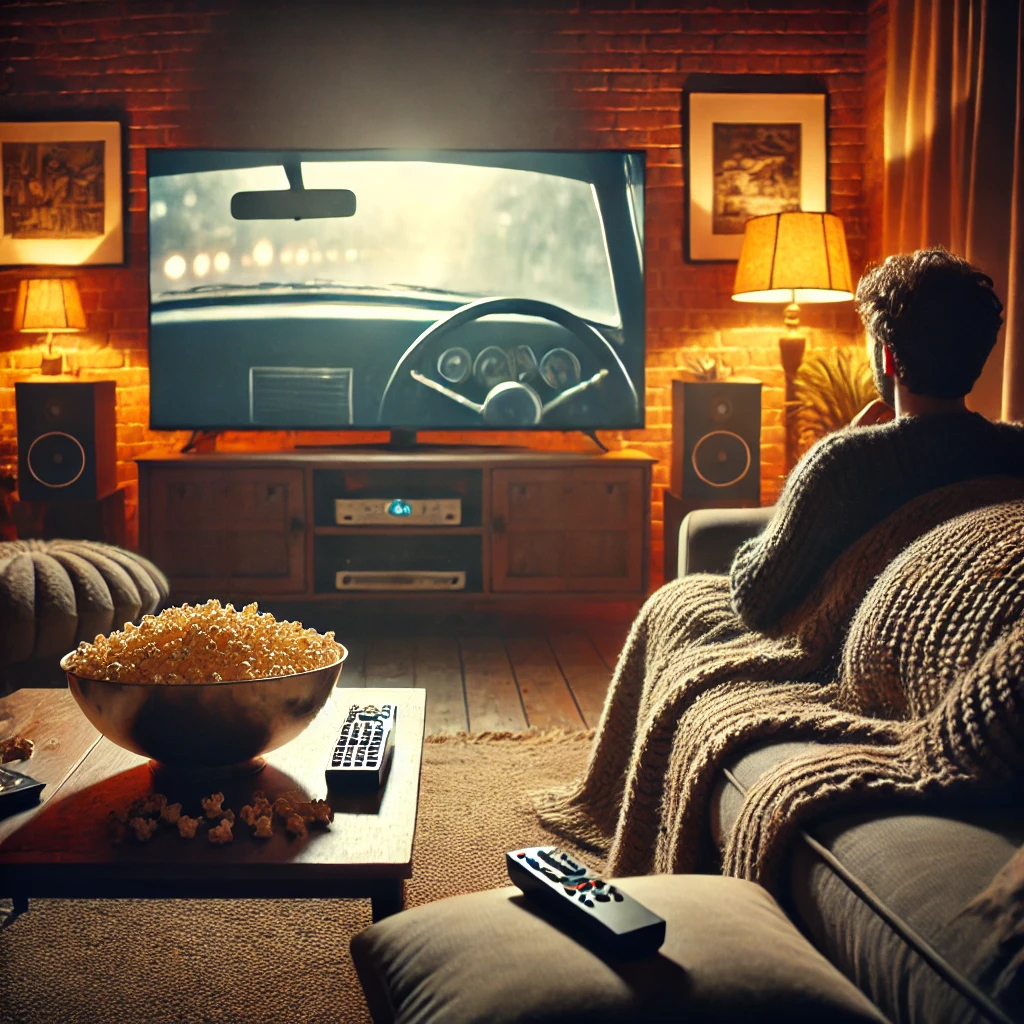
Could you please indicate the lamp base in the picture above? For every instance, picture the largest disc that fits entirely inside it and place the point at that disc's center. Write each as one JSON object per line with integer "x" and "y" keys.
{"x": 791, "y": 348}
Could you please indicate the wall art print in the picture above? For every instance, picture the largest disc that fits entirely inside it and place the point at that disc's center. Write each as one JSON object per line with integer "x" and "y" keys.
{"x": 750, "y": 154}
{"x": 61, "y": 193}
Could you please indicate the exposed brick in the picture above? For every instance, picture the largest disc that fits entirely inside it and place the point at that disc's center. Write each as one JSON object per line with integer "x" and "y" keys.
{"x": 608, "y": 73}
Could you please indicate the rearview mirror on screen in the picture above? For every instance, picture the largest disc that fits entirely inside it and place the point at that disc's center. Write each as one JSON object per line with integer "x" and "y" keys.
{"x": 293, "y": 204}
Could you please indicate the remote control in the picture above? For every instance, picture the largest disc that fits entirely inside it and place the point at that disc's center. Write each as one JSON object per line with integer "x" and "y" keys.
{"x": 621, "y": 925}
{"x": 18, "y": 791}
{"x": 359, "y": 759}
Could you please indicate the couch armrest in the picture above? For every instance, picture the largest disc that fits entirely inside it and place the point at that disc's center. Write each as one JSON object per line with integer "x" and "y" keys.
{"x": 709, "y": 537}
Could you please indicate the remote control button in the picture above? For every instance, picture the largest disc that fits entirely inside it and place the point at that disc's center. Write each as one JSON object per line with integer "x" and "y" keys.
{"x": 617, "y": 896}
{"x": 583, "y": 897}
{"x": 588, "y": 903}
{"x": 533, "y": 864}
{"x": 602, "y": 896}
{"x": 569, "y": 890}
{"x": 548, "y": 859}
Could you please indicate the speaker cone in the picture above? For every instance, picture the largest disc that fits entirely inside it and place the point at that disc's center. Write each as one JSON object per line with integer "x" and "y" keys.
{"x": 56, "y": 459}
{"x": 721, "y": 458}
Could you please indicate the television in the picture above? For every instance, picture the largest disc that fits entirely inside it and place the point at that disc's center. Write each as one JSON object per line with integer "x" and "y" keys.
{"x": 396, "y": 290}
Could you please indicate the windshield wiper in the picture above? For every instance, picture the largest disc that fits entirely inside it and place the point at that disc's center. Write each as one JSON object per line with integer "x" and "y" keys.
{"x": 314, "y": 284}
{"x": 428, "y": 288}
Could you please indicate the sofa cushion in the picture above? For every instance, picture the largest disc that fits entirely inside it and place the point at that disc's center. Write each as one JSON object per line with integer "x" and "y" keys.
{"x": 912, "y": 872}
{"x": 730, "y": 954}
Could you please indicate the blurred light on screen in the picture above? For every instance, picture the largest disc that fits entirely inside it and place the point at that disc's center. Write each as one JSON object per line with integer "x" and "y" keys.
{"x": 175, "y": 266}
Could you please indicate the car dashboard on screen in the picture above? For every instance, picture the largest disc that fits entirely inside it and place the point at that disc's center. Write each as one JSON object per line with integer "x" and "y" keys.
{"x": 467, "y": 291}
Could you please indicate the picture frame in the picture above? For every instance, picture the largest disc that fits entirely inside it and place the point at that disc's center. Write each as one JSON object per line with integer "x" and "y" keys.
{"x": 61, "y": 191}
{"x": 750, "y": 154}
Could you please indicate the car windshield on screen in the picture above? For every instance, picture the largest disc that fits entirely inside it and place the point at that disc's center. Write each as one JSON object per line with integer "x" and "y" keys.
{"x": 453, "y": 229}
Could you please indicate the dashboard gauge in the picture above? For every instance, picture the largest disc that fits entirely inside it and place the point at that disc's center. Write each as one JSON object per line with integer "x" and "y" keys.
{"x": 512, "y": 405}
{"x": 560, "y": 369}
{"x": 455, "y": 365}
{"x": 493, "y": 367}
{"x": 526, "y": 364}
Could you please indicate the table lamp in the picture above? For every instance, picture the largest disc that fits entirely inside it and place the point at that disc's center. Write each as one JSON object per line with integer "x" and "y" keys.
{"x": 53, "y": 306}
{"x": 793, "y": 258}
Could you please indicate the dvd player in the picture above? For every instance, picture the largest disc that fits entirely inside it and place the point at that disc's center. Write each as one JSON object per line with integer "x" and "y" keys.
{"x": 392, "y": 579}
{"x": 398, "y": 511}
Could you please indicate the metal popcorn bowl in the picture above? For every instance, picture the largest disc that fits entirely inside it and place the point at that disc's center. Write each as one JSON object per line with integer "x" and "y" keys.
{"x": 205, "y": 725}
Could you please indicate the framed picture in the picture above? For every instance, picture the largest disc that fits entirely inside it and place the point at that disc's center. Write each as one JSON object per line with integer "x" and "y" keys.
{"x": 61, "y": 189}
{"x": 749, "y": 154}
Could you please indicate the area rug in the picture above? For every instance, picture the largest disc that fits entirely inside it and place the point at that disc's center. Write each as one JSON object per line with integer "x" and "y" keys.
{"x": 278, "y": 961}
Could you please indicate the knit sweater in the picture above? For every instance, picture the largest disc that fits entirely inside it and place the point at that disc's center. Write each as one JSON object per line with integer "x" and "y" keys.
{"x": 906, "y": 658}
{"x": 849, "y": 482}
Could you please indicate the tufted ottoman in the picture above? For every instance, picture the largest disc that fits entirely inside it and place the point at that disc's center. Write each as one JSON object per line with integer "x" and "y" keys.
{"x": 56, "y": 593}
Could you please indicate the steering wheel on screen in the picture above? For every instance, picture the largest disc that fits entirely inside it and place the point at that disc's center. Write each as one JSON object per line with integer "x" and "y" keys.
{"x": 510, "y": 404}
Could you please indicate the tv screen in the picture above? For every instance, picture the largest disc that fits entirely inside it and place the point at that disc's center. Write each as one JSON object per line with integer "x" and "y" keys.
{"x": 443, "y": 291}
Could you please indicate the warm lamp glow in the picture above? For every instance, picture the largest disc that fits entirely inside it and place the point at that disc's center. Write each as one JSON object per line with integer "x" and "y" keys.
{"x": 793, "y": 257}
{"x": 50, "y": 306}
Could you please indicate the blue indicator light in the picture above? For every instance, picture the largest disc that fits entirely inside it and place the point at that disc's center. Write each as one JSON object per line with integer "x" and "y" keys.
{"x": 399, "y": 508}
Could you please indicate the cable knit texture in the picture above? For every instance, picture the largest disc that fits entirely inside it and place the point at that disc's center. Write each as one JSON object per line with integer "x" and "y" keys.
{"x": 849, "y": 482}
{"x": 906, "y": 655}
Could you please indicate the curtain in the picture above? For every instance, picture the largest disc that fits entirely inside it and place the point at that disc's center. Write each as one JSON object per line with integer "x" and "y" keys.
{"x": 954, "y": 163}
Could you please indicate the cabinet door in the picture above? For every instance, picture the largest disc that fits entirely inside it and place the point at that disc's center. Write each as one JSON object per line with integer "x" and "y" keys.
{"x": 576, "y": 530}
{"x": 233, "y": 531}
{"x": 266, "y": 524}
{"x": 187, "y": 528}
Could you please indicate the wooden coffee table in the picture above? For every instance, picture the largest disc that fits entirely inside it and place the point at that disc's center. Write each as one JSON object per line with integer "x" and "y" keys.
{"x": 62, "y": 847}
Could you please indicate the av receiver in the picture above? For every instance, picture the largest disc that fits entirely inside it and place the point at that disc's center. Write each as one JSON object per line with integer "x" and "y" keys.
{"x": 398, "y": 511}
{"x": 399, "y": 580}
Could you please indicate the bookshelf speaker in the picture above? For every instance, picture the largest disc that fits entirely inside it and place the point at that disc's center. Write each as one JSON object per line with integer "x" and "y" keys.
{"x": 716, "y": 441}
{"x": 66, "y": 440}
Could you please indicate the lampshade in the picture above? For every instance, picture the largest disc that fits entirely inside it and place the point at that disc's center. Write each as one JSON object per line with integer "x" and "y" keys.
{"x": 48, "y": 305}
{"x": 793, "y": 257}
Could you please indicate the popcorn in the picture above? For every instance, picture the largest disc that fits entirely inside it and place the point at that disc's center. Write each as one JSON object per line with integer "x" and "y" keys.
{"x": 144, "y": 815}
{"x": 221, "y": 833}
{"x": 147, "y": 806}
{"x": 15, "y": 748}
{"x": 187, "y": 827}
{"x": 144, "y": 828}
{"x": 171, "y": 813}
{"x": 204, "y": 643}
{"x": 315, "y": 812}
{"x": 212, "y": 805}
{"x": 295, "y": 825}
{"x": 261, "y": 805}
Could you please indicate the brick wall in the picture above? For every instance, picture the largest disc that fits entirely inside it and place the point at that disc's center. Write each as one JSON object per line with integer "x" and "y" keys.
{"x": 561, "y": 75}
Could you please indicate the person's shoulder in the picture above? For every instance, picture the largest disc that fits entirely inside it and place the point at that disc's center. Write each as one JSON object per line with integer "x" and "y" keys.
{"x": 850, "y": 439}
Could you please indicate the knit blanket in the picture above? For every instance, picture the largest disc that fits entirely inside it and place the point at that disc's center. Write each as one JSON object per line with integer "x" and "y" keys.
{"x": 907, "y": 658}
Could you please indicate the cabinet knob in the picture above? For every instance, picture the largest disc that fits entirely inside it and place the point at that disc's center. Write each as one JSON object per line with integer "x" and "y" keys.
{"x": 298, "y": 524}
{"x": 498, "y": 524}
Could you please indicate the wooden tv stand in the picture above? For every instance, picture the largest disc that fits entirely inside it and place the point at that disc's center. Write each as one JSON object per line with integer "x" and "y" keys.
{"x": 256, "y": 526}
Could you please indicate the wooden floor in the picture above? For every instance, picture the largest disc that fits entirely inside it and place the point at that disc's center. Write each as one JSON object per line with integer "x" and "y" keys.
{"x": 494, "y": 681}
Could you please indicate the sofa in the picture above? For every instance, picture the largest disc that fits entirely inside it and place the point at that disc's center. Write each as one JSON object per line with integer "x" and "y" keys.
{"x": 878, "y": 891}
{"x": 872, "y": 897}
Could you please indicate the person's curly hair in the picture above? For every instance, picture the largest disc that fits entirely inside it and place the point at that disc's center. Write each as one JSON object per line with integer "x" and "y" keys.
{"x": 937, "y": 313}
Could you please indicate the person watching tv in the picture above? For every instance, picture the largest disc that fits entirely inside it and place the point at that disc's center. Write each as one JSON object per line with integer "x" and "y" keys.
{"x": 931, "y": 320}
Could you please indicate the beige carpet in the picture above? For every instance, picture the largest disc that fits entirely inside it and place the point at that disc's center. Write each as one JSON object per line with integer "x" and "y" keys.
{"x": 275, "y": 961}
